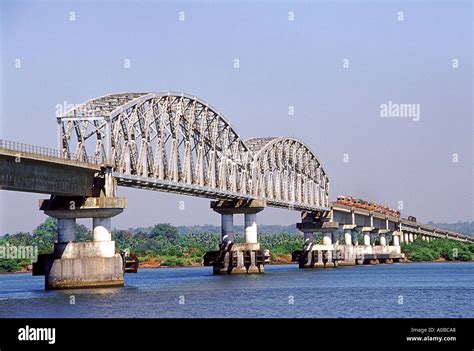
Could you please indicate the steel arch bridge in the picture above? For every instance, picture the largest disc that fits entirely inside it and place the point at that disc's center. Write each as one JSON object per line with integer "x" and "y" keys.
{"x": 178, "y": 143}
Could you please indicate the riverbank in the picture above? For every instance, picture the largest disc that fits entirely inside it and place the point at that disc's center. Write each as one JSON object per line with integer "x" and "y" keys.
{"x": 156, "y": 263}
{"x": 163, "y": 263}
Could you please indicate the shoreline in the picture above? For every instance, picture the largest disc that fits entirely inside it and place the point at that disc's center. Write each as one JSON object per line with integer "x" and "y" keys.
{"x": 152, "y": 264}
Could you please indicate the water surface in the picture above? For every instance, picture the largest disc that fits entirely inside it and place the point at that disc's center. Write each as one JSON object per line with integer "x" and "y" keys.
{"x": 400, "y": 290}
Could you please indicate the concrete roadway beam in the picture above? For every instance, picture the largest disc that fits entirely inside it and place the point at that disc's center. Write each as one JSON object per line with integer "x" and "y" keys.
{"x": 318, "y": 226}
{"x": 238, "y": 206}
{"x": 79, "y": 207}
{"x": 45, "y": 177}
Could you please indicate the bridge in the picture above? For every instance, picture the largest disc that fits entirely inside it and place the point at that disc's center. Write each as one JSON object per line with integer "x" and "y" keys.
{"x": 177, "y": 143}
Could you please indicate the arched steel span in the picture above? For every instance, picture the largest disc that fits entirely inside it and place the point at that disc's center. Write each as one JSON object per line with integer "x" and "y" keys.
{"x": 178, "y": 143}
{"x": 285, "y": 169}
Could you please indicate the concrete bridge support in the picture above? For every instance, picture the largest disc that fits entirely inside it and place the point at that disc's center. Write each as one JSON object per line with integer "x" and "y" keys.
{"x": 87, "y": 264}
{"x": 227, "y": 228}
{"x": 367, "y": 231}
{"x": 331, "y": 253}
{"x": 66, "y": 230}
{"x": 396, "y": 240}
{"x": 233, "y": 258}
{"x": 383, "y": 240}
{"x": 327, "y": 238}
{"x": 348, "y": 237}
{"x": 314, "y": 255}
{"x": 251, "y": 227}
{"x": 350, "y": 241}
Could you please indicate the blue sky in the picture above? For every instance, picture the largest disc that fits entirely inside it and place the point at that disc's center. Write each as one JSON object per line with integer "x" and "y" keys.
{"x": 282, "y": 63}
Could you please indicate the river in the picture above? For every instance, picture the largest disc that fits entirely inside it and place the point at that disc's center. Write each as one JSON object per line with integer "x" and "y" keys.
{"x": 424, "y": 290}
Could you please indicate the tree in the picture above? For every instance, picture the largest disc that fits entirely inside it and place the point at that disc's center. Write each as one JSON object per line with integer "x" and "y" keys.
{"x": 45, "y": 235}
{"x": 83, "y": 233}
{"x": 165, "y": 231}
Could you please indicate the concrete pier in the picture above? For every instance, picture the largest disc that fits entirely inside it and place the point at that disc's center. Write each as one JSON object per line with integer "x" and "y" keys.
{"x": 348, "y": 237}
{"x": 227, "y": 227}
{"x": 367, "y": 231}
{"x": 251, "y": 227}
{"x": 89, "y": 264}
{"x": 318, "y": 255}
{"x": 331, "y": 253}
{"x": 233, "y": 258}
{"x": 396, "y": 239}
{"x": 327, "y": 238}
{"x": 383, "y": 241}
{"x": 66, "y": 230}
{"x": 101, "y": 229}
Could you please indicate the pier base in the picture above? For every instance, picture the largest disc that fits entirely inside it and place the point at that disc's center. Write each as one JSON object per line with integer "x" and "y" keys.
{"x": 89, "y": 264}
{"x": 83, "y": 272}
{"x": 232, "y": 258}
{"x": 242, "y": 259}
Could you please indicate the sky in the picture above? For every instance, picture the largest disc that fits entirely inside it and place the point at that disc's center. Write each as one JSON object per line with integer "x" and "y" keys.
{"x": 336, "y": 63}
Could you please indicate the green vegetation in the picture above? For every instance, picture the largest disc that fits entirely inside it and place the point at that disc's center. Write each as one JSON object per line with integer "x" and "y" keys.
{"x": 443, "y": 248}
{"x": 171, "y": 246}
{"x": 43, "y": 237}
{"x": 163, "y": 243}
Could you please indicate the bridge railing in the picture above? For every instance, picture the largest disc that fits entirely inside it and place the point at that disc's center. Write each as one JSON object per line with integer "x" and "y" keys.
{"x": 44, "y": 151}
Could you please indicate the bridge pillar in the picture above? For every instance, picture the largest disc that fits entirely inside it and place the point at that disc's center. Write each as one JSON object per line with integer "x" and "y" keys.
{"x": 227, "y": 227}
{"x": 406, "y": 238}
{"x": 101, "y": 229}
{"x": 383, "y": 241}
{"x": 250, "y": 220}
{"x": 317, "y": 255}
{"x": 396, "y": 239}
{"x": 410, "y": 237}
{"x": 366, "y": 231}
{"x": 88, "y": 264}
{"x": 384, "y": 252}
{"x": 372, "y": 238}
{"x": 365, "y": 252}
{"x": 66, "y": 230}
{"x": 348, "y": 236}
{"x": 327, "y": 238}
{"x": 232, "y": 258}
{"x": 355, "y": 239}
{"x": 349, "y": 248}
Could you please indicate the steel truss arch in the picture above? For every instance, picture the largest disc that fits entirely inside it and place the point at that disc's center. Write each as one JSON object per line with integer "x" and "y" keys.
{"x": 176, "y": 142}
{"x": 288, "y": 171}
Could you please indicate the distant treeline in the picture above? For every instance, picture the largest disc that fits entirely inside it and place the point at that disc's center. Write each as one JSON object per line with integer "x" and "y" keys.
{"x": 215, "y": 229}
{"x": 460, "y": 227}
